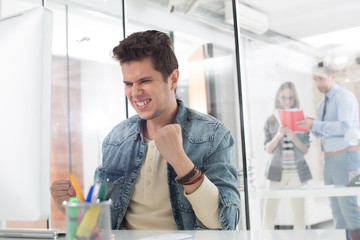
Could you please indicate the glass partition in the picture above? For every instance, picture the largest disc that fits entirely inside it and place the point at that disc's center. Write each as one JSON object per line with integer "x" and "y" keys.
{"x": 204, "y": 44}
{"x": 274, "y": 46}
{"x": 90, "y": 99}
{"x": 289, "y": 182}
{"x": 87, "y": 91}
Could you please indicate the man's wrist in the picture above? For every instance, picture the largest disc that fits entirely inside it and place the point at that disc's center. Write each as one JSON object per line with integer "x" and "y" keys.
{"x": 181, "y": 164}
{"x": 190, "y": 178}
{"x": 315, "y": 124}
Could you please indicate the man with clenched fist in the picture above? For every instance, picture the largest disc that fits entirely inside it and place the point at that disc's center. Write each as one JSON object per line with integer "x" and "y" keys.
{"x": 169, "y": 166}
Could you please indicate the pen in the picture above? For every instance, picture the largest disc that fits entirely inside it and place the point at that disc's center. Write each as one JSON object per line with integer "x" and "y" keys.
{"x": 95, "y": 193}
{"x": 73, "y": 213}
{"x": 77, "y": 188}
{"x": 102, "y": 192}
{"x": 90, "y": 193}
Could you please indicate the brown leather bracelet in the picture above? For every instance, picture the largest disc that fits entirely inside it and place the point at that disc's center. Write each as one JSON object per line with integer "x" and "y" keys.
{"x": 188, "y": 176}
{"x": 201, "y": 177}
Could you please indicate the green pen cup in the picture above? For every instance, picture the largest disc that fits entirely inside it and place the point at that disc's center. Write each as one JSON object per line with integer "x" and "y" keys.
{"x": 85, "y": 220}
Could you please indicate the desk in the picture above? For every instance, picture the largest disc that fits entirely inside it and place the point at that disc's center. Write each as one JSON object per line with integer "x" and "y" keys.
{"x": 233, "y": 235}
{"x": 307, "y": 191}
{"x": 330, "y": 234}
{"x": 313, "y": 194}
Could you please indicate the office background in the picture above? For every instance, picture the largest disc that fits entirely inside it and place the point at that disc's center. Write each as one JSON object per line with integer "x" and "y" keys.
{"x": 230, "y": 74}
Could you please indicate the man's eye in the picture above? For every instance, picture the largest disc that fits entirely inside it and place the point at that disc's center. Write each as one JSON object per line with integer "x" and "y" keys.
{"x": 128, "y": 84}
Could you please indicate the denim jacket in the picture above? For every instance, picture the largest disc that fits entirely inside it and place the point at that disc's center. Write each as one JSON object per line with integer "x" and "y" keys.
{"x": 206, "y": 141}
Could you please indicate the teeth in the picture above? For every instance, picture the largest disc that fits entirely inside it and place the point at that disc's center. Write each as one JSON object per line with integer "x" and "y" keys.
{"x": 140, "y": 104}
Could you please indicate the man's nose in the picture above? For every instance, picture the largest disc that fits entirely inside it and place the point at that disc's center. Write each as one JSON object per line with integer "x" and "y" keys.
{"x": 136, "y": 90}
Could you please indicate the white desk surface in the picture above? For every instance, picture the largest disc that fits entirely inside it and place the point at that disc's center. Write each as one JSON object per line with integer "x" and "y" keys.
{"x": 306, "y": 191}
{"x": 328, "y": 234}
{"x": 232, "y": 235}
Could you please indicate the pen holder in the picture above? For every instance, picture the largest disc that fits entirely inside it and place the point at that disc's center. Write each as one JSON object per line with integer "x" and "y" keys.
{"x": 88, "y": 220}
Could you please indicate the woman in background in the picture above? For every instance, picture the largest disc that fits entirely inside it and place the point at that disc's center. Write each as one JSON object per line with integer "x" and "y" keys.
{"x": 287, "y": 166}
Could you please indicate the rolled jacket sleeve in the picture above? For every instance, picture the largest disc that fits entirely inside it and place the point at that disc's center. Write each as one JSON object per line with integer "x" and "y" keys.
{"x": 223, "y": 174}
{"x": 209, "y": 144}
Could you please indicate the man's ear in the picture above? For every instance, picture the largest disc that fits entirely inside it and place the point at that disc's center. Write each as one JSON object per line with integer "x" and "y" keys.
{"x": 174, "y": 78}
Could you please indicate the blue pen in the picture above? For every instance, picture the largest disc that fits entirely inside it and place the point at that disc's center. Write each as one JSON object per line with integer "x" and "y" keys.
{"x": 88, "y": 198}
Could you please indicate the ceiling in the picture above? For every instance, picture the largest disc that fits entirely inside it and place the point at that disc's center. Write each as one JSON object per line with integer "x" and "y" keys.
{"x": 305, "y": 18}
{"x": 328, "y": 27}
{"x": 296, "y": 18}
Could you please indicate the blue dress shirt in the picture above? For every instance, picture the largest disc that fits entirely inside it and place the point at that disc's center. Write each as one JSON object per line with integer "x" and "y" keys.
{"x": 341, "y": 115}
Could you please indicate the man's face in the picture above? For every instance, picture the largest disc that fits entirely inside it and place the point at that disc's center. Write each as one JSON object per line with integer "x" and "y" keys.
{"x": 146, "y": 89}
{"x": 324, "y": 81}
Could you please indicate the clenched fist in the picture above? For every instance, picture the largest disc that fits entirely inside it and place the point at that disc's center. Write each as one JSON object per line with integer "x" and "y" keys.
{"x": 62, "y": 190}
{"x": 169, "y": 142}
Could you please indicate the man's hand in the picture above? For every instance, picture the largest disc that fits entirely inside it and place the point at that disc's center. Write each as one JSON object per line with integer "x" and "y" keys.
{"x": 61, "y": 191}
{"x": 169, "y": 142}
{"x": 306, "y": 123}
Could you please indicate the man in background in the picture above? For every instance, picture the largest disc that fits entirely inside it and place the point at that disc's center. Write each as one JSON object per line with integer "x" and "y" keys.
{"x": 338, "y": 112}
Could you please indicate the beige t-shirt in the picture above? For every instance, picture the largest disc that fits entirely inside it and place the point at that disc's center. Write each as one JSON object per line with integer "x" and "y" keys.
{"x": 150, "y": 206}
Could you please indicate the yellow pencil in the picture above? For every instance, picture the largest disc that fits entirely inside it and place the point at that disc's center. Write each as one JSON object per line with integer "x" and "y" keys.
{"x": 77, "y": 188}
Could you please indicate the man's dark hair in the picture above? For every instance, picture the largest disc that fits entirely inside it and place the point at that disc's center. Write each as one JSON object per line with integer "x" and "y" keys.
{"x": 323, "y": 66}
{"x": 148, "y": 44}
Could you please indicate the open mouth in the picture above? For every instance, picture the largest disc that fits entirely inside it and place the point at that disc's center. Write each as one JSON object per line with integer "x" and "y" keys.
{"x": 142, "y": 104}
